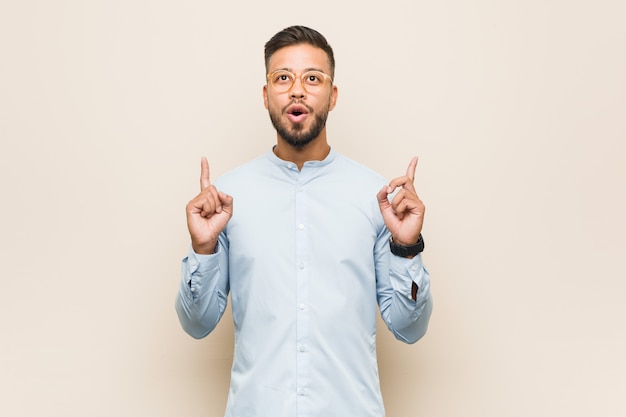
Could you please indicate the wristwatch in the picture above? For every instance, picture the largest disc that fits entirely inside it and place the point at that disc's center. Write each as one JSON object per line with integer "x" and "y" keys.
{"x": 406, "y": 251}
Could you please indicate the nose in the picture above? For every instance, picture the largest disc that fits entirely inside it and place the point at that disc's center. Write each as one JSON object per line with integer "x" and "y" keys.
{"x": 297, "y": 89}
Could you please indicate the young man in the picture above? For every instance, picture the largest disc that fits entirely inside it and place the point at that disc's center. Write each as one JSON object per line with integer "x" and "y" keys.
{"x": 312, "y": 247}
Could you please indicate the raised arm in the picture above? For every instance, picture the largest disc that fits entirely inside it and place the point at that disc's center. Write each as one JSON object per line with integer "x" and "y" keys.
{"x": 204, "y": 285}
{"x": 404, "y": 283}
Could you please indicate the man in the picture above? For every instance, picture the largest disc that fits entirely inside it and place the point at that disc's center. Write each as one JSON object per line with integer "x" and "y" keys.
{"x": 307, "y": 243}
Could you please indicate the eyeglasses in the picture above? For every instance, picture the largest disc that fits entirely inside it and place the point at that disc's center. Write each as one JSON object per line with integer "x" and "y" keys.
{"x": 312, "y": 81}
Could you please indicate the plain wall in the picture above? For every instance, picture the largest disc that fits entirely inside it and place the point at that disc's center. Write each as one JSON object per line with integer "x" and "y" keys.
{"x": 517, "y": 110}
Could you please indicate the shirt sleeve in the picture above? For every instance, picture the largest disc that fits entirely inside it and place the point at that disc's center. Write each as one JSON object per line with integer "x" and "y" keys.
{"x": 203, "y": 291}
{"x": 406, "y": 318}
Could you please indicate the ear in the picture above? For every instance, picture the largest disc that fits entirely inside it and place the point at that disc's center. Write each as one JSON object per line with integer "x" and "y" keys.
{"x": 265, "y": 102}
{"x": 333, "y": 97}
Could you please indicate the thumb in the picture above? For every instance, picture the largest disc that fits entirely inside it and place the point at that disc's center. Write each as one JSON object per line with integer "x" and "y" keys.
{"x": 383, "y": 201}
{"x": 227, "y": 201}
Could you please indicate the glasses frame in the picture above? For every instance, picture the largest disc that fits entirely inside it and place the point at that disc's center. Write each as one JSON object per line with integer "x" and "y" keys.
{"x": 301, "y": 75}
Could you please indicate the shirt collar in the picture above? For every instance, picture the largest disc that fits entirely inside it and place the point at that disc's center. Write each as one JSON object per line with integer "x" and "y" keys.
{"x": 309, "y": 164}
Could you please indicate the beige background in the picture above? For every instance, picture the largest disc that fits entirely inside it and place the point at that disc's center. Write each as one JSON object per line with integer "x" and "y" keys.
{"x": 516, "y": 108}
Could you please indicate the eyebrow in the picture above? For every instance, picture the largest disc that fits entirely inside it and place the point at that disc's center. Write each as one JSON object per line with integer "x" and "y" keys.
{"x": 305, "y": 70}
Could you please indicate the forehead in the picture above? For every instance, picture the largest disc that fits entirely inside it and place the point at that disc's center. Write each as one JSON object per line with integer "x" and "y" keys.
{"x": 299, "y": 57}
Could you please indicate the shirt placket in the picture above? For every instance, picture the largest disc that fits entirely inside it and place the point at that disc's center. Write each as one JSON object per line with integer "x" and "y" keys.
{"x": 303, "y": 310}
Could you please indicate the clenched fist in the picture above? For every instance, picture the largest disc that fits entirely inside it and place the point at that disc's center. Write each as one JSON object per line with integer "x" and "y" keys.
{"x": 208, "y": 213}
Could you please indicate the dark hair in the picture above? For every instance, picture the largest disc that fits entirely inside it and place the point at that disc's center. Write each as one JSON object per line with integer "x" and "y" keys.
{"x": 295, "y": 35}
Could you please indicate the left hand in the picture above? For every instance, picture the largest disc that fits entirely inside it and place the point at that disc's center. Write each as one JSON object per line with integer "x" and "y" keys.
{"x": 404, "y": 215}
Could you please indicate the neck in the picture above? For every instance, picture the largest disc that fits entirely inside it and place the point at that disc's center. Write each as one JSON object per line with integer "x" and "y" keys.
{"x": 317, "y": 150}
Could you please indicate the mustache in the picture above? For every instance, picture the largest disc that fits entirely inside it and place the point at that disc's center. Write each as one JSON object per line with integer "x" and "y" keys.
{"x": 299, "y": 103}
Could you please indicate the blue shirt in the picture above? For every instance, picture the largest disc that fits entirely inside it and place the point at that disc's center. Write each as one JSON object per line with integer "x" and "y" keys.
{"x": 306, "y": 260}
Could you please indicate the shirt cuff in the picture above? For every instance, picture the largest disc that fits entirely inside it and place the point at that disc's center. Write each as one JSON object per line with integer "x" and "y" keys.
{"x": 407, "y": 271}
{"x": 197, "y": 260}
{"x": 197, "y": 267}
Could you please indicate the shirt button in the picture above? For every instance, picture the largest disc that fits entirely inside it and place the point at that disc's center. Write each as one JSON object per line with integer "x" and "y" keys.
{"x": 300, "y": 226}
{"x": 302, "y": 306}
{"x": 302, "y": 391}
{"x": 413, "y": 268}
{"x": 301, "y": 266}
{"x": 302, "y": 349}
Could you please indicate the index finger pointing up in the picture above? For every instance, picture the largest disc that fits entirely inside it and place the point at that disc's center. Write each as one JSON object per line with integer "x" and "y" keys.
{"x": 205, "y": 179}
{"x": 410, "y": 171}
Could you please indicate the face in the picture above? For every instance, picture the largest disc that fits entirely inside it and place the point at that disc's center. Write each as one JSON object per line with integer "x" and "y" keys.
{"x": 299, "y": 117}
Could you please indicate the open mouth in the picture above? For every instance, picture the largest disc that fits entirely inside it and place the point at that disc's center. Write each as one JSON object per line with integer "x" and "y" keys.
{"x": 297, "y": 110}
{"x": 297, "y": 113}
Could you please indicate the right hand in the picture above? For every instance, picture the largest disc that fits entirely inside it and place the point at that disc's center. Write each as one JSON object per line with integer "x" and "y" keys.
{"x": 207, "y": 214}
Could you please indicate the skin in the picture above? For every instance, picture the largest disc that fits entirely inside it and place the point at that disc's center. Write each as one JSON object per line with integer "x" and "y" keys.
{"x": 209, "y": 212}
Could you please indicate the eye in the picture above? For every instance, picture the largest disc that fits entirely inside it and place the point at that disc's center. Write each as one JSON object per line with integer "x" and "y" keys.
{"x": 314, "y": 78}
{"x": 282, "y": 77}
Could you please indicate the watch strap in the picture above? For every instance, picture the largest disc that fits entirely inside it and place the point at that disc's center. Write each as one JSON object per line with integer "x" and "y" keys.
{"x": 406, "y": 251}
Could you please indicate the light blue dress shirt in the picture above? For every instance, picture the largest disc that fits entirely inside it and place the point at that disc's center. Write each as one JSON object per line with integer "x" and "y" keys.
{"x": 306, "y": 260}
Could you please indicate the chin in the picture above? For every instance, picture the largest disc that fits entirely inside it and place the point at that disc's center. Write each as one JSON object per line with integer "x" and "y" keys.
{"x": 298, "y": 142}
{"x": 298, "y": 135}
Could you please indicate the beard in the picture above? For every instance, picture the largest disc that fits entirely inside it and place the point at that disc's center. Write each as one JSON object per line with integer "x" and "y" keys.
{"x": 294, "y": 133}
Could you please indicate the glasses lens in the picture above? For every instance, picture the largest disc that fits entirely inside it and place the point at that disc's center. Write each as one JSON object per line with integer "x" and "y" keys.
{"x": 282, "y": 80}
{"x": 313, "y": 81}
